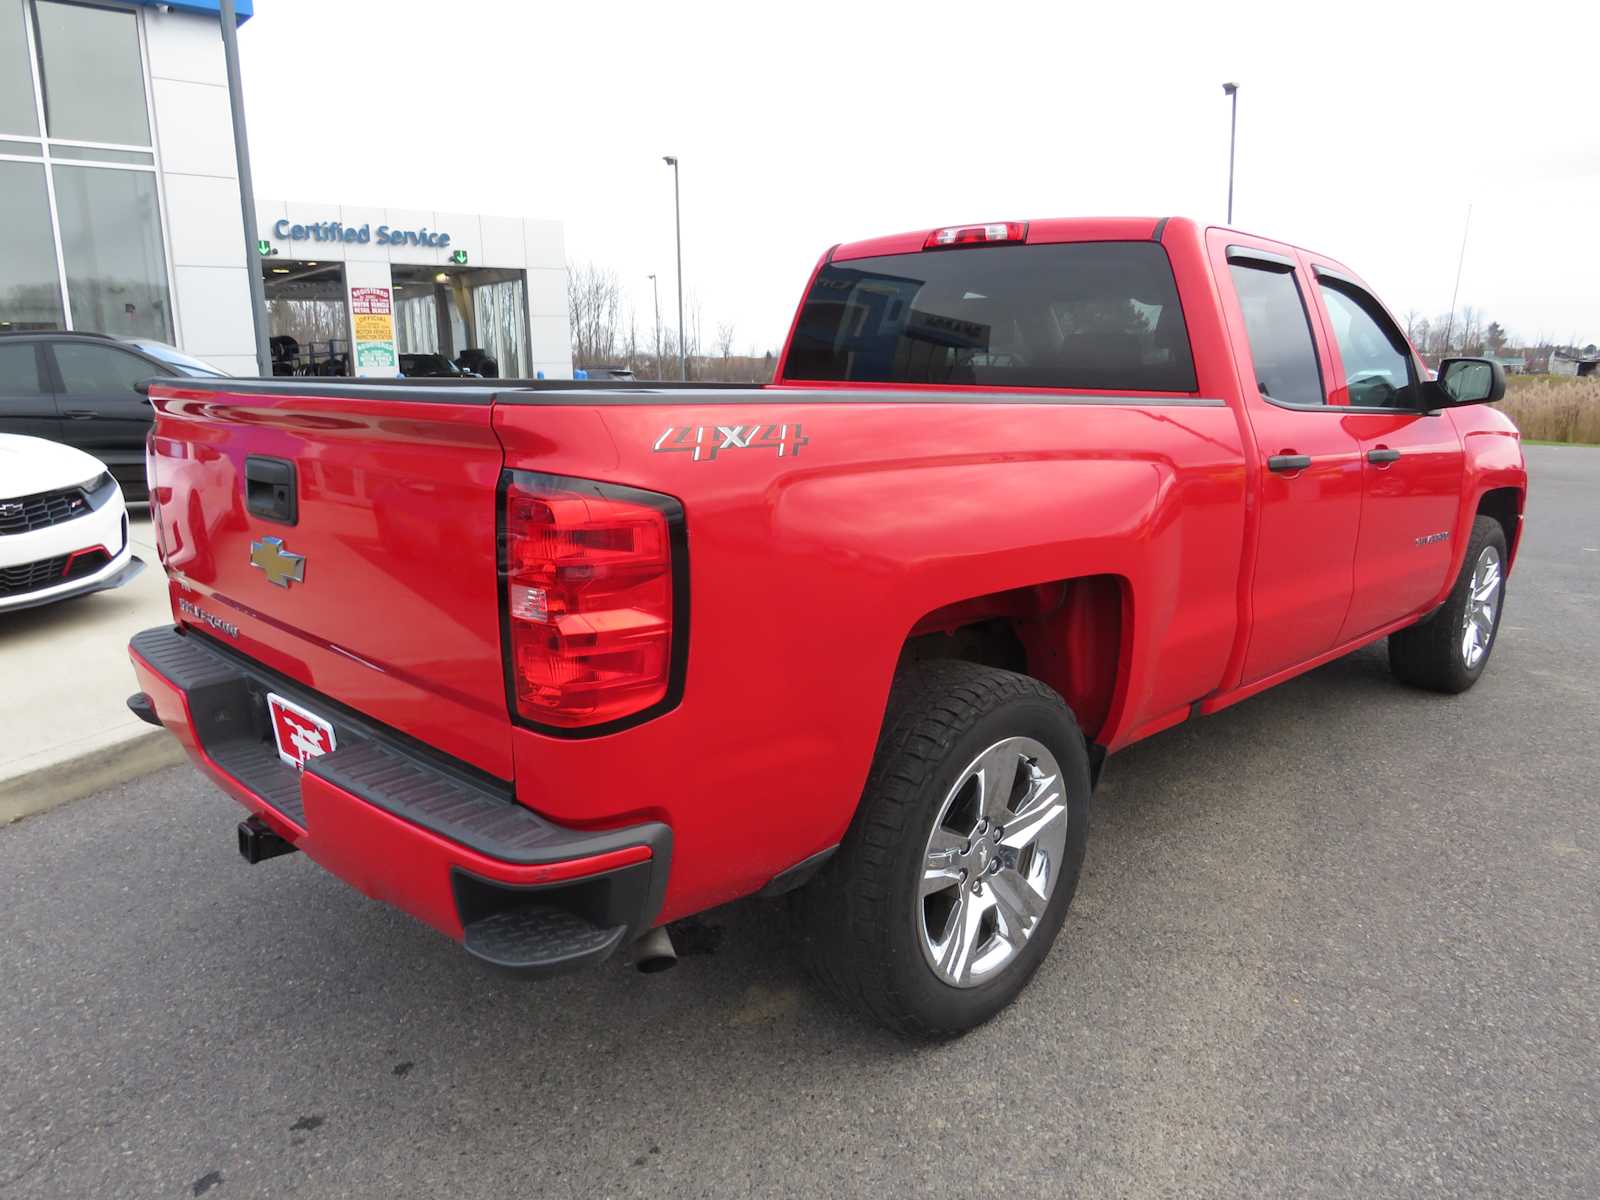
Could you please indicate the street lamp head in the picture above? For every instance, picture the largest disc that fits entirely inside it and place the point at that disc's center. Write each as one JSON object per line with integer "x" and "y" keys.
{"x": 651, "y": 278}
{"x": 1229, "y": 89}
{"x": 669, "y": 160}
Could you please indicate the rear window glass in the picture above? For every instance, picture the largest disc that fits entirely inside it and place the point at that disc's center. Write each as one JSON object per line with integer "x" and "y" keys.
{"x": 1101, "y": 315}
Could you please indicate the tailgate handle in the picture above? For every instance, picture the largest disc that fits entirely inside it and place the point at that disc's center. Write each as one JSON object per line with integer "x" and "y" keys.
{"x": 269, "y": 489}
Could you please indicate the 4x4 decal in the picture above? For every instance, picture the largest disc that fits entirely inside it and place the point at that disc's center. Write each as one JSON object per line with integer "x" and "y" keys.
{"x": 704, "y": 442}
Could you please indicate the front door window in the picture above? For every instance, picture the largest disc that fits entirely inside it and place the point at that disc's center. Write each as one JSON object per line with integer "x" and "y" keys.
{"x": 1377, "y": 367}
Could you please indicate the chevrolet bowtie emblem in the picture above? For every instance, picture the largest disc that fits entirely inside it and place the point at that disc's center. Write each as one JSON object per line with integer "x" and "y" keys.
{"x": 281, "y": 567}
{"x": 10, "y": 510}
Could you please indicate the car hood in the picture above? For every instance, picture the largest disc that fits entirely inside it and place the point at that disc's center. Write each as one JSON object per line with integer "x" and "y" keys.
{"x": 29, "y": 465}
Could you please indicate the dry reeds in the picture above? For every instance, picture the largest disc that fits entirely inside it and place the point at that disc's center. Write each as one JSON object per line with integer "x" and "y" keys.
{"x": 1553, "y": 408}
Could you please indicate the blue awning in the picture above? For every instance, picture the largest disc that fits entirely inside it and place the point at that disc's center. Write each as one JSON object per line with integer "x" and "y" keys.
{"x": 243, "y": 8}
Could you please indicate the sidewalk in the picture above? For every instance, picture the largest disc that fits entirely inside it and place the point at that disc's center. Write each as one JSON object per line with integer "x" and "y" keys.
{"x": 64, "y": 683}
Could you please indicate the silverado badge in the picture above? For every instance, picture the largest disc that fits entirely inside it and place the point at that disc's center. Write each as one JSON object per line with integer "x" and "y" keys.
{"x": 280, "y": 566}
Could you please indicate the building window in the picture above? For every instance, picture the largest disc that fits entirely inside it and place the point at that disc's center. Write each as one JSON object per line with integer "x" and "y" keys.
{"x": 18, "y": 113}
{"x": 77, "y": 173}
{"x": 93, "y": 75}
{"x": 30, "y": 284}
{"x": 111, "y": 240}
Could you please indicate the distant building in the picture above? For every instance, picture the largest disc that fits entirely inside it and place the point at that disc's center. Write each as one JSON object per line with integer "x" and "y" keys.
{"x": 1562, "y": 363}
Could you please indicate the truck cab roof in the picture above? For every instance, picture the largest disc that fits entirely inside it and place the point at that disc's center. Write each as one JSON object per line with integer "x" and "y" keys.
{"x": 1046, "y": 231}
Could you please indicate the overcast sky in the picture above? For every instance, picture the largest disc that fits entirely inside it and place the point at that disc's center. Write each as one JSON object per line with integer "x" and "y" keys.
{"x": 1364, "y": 132}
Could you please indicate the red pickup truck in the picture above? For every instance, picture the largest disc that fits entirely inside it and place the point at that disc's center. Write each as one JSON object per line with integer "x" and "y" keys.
{"x": 549, "y": 665}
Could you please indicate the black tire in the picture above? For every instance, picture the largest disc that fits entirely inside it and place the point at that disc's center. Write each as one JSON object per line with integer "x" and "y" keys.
{"x": 859, "y": 917}
{"x": 1430, "y": 655}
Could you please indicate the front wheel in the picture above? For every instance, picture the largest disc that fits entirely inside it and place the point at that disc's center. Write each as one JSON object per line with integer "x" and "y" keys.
{"x": 952, "y": 882}
{"x": 1448, "y": 652}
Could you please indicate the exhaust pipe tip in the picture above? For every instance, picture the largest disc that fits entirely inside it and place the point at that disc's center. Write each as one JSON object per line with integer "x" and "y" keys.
{"x": 653, "y": 953}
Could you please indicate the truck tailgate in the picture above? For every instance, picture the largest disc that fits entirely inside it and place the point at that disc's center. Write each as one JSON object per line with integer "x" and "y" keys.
{"x": 380, "y": 588}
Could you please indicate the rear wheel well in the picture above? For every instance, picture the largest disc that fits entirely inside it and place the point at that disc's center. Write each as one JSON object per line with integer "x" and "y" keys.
{"x": 1067, "y": 634}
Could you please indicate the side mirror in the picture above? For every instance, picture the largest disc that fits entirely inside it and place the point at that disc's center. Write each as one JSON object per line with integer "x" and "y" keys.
{"x": 1469, "y": 381}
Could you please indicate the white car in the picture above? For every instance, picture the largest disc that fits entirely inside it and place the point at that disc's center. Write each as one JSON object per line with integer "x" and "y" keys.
{"x": 63, "y": 526}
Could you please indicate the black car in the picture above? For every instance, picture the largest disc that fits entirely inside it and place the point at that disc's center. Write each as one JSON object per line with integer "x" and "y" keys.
{"x": 432, "y": 366}
{"x": 78, "y": 388}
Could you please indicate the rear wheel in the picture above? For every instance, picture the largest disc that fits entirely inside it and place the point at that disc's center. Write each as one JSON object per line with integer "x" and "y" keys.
{"x": 1449, "y": 651}
{"x": 955, "y": 876}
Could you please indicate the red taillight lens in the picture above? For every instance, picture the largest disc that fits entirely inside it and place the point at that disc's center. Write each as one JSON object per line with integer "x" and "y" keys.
{"x": 974, "y": 235}
{"x": 588, "y": 577}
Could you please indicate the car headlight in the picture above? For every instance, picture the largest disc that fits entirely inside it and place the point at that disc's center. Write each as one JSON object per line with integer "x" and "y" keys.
{"x": 99, "y": 489}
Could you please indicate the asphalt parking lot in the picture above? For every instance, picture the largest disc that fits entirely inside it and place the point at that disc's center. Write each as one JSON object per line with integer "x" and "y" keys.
{"x": 1341, "y": 940}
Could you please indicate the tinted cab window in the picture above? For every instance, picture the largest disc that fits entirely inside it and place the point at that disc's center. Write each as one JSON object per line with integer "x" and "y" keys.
{"x": 1279, "y": 331}
{"x": 1095, "y": 315}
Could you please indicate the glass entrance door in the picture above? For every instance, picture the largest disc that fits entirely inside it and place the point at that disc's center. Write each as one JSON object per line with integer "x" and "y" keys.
{"x": 308, "y": 315}
{"x": 455, "y": 320}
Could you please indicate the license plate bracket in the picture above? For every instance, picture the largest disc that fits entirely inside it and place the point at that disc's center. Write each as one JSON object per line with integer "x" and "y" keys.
{"x": 298, "y": 732}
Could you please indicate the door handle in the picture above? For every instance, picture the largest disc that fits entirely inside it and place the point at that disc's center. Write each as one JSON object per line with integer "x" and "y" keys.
{"x": 1382, "y": 455}
{"x": 1288, "y": 462}
{"x": 80, "y": 414}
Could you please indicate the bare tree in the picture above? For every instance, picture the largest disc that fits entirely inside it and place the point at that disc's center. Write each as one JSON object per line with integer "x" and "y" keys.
{"x": 594, "y": 305}
{"x": 696, "y": 322}
{"x": 1469, "y": 329}
{"x": 725, "y": 339}
{"x": 630, "y": 345}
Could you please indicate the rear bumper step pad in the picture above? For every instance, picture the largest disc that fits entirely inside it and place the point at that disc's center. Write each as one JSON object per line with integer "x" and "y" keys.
{"x": 533, "y": 927}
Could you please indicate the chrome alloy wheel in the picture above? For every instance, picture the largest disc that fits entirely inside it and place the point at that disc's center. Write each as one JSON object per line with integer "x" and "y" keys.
{"x": 1483, "y": 601}
{"x": 991, "y": 862}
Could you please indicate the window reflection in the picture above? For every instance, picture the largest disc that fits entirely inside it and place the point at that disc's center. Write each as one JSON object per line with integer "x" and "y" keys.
{"x": 30, "y": 286}
{"x": 111, "y": 240}
{"x": 93, "y": 75}
{"x": 17, "y": 112}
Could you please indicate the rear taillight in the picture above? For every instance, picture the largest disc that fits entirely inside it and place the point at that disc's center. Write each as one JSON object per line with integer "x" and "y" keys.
{"x": 976, "y": 235}
{"x": 594, "y": 626}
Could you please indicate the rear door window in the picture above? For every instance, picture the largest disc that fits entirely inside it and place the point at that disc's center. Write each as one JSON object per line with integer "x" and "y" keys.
{"x": 1279, "y": 330}
{"x": 1093, "y": 315}
{"x": 98, "y": 370}
{"x": 19, "y": 370}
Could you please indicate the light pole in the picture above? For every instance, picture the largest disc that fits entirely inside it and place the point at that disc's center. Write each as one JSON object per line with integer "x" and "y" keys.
{"x": 656, "y": 292}
{"x": 677, "y": 221}
{"x": 247, "y": 196}
{"x": 1231, "y": 89}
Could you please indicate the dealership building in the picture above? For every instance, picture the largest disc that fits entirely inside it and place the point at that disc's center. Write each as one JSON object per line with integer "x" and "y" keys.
{"x": 367, "y": 290}
{"x": 119, "y": 194}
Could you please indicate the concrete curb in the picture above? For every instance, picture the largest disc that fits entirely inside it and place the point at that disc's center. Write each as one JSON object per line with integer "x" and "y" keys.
{"x": 73, "y": 778}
